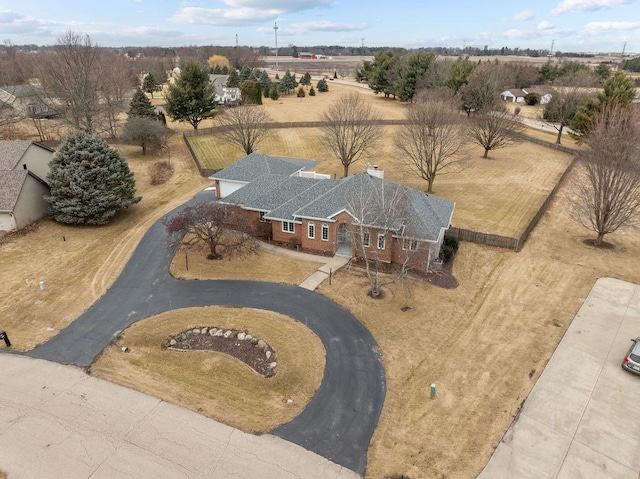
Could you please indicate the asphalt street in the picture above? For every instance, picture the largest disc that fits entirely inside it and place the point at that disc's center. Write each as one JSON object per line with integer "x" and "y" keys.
{"x": 338, "y": 422}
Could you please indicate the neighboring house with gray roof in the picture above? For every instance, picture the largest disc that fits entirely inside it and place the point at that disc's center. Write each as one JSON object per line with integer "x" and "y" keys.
{"x": 28, "y": 100}
{"x": 24, "y": 166}
{"x": 224, "y": 93}
{"x": 362, "y": 212}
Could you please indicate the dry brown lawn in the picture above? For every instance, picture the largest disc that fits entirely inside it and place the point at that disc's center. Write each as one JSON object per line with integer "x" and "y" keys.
{"x": 215, "y": 384}
{"x": 78, "y": 264}
{"x": 484, "y": 344}
{"x": 265, "y": 266}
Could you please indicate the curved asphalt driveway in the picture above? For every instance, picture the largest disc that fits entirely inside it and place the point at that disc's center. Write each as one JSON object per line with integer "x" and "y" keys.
{"x": 338, "y": 422}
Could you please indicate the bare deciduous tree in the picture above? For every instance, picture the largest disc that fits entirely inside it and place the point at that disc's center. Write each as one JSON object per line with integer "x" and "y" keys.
{"x": 351, "y": 129}
{"x": 380, "y": 211}
{"x": 71, "y": 74}
{"x": 561, "y": 109}
{"x": 207, "y": 222}
{"x": 607, "y": 188}
{"x": 117, "y": 81}
{"x": 482, "y": 91}
{"x": 245, "y": 126}
{"x": 434, "y": 138}
{"x": 495, "y": 129}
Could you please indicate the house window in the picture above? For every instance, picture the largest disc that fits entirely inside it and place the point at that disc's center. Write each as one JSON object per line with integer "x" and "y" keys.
{"x": 288, "y": 227}
{"x": 311, "y": 230}
{"x": 261, "y": 216}
{"x": 366, "y": 239}
{"x": 409, "y": 244}
{"x": 325, "y": 232}
{"x": 381, "y": 238}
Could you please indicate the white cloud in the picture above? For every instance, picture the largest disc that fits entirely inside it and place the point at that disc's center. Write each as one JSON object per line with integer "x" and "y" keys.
{"x": 544, "y": 25}
{"x": 524, "y": 15}
{"x": 218, "y": 16}
{"x": 597, "y": 28}
{"x": 319, "y": 26}
{"x": 572, "y": 6}
{"x": 284, "y": 6}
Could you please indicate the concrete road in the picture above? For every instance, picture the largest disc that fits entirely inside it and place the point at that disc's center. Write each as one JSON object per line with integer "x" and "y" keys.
{"x": 581, "y": 419}
{"x": 338, "y": 422}
{"x": 57, "y": 422}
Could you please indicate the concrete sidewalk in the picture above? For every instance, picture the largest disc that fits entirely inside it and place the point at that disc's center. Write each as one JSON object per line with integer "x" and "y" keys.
{"x": 58, "y": 422}
{"x": 330, "y": 266}
{"x": 581, "y": 418}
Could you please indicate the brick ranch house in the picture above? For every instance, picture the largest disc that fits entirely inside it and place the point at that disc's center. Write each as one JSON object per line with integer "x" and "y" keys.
{"x": 283, "y": 199}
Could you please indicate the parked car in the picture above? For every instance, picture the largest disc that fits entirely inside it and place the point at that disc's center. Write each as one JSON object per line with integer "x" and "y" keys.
{"x": 631, "y": 361}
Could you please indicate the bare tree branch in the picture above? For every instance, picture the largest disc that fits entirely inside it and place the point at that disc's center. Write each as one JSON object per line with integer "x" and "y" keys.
{"x": 607, "y": 190}
{"x": 351, "y": 130}
{"x": 495, "y": 129}
{"x": 245, "y": 126}
{"x": 207, "y": 222}
{"x": 433, "y": 141}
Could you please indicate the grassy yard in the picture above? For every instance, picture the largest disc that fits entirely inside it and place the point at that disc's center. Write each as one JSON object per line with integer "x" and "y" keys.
{"x": 265, "y": 266}
{"x": 214, "y": 384}
{"x": 78, "y": 264}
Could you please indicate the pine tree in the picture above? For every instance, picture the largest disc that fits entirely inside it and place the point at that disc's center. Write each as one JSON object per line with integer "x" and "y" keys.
{"x": 90, "y": 181}
{"x": 234, "y": 79}
{"x": 150, "y": 84}
{"x": 301, "y": 92}
{"x": 192, "y": 97}
{"x": 323, "y": 85}
{"x": 273, "y": 92}
{"x": 312, "y": 92}
{"x": 140, "y": 105}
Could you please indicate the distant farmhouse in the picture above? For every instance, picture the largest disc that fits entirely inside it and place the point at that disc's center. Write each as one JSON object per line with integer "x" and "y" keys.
{"x": 24, "y": 166}
{"x": 284, "y": 199}
{"x": 516, "y": 95}
{"x": 224, "y": 94}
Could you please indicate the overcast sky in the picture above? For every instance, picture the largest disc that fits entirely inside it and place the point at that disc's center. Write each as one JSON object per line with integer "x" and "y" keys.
{"x": 575, "y": 25}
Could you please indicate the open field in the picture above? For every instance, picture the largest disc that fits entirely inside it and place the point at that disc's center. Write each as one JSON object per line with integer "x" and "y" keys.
{"x": 215, "y": 384}
{"x": 78, "y": 264}
{"x": 484, "y": 344}
{"x": 265, "y": 266}
{"x": 515, "y": 180}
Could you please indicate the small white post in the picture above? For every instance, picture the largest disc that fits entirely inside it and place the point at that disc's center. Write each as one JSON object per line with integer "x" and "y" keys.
{"x": 41, "y": 285}
{"x": 433, "y": 390}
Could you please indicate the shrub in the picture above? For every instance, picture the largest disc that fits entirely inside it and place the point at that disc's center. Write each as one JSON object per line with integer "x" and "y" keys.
{"x": 160, "y": 172}
{"x": 517, "y": 110}
{"x": 449, "y": 247}
{"x": 312, "y": 92}
{"x": 301, "y": 92}
{"x": 531, "y": 99}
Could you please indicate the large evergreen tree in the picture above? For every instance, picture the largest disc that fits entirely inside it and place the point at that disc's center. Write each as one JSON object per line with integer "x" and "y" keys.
{"x": 90, "y": 181}
{"x": 192, "y": 97}
{"x": 150, "y": 84}
{"x": 141, "y": 105}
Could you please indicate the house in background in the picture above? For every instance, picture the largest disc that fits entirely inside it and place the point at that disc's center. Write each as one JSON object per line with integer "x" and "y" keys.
{"x": 224, "y": 95}
{"x": 24, "y": 166}
{"x": 20, "y": 101}
{"x": 283, "y": 199}
{"x": 516, "y": 95}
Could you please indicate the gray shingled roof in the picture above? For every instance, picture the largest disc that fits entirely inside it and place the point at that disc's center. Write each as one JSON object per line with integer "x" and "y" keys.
{"x": 288, "y": 210}
{"x": 10, "y": 186}
{"x": 255, "y": 165}
{"x": 11, "y": 151}
{"x": 292, "y": 198}
{"x": 248, "y": 194}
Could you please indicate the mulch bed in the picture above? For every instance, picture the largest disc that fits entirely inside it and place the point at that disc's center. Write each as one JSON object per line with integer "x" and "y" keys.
{"x": 443, "y": 278}
{"x": 243, "y": 350}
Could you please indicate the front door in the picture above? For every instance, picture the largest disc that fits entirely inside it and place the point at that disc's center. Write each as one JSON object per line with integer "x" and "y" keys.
{"x": 345, "y": 240}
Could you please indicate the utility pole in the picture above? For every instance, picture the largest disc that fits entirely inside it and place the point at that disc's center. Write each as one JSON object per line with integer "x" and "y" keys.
{"x": 624, "y": 48}
{"x": 275, "y": 29}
